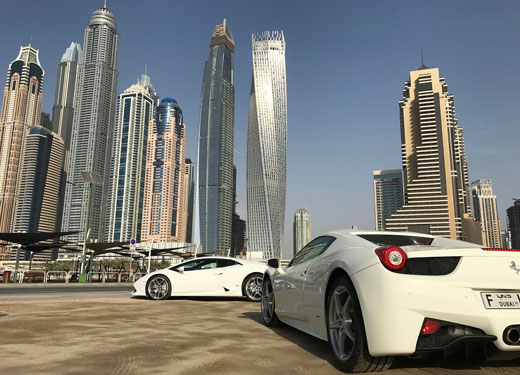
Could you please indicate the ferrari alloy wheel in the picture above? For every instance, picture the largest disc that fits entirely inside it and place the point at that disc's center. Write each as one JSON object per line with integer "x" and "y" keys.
{"x": 346, "y": 332}
{"x": 253, "y": 287}
{"x": 267, "y": 306}
{"x": 158, "y": 287}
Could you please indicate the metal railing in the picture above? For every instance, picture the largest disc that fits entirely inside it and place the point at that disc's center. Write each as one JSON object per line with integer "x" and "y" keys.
{"x": 112, "y": 277}
{"x": 56, "y": 277}
{"x": 73, "y": 276}
{"x": 31, "y": 277}
{"x": 96, "y": 277}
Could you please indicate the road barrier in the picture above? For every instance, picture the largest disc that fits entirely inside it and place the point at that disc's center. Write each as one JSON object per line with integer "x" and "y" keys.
{"x": 72, "y": 276}
{"x": 33, "y": 276}
{"x": 112, "y": 277}
{"x": 95, "y": 277}
{"x": 56, "y": 277}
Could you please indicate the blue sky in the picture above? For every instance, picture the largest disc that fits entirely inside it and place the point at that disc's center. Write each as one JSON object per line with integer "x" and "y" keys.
{"x": 346, "y": 61}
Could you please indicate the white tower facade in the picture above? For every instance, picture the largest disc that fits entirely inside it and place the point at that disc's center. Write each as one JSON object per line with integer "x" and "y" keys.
{"x": 302, "y": 229}
{"x": 485, "y": 210}
{"x": 135, "y": 109}
{"x": 92, "y": 127}
{"x": 267, "y": 146}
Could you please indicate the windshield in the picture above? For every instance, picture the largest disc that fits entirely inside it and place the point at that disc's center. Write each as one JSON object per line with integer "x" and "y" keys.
{"x": 395, "y": 240}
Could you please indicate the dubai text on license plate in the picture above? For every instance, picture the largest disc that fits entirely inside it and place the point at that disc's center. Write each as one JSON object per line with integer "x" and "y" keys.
{"x": 501, "y": 300}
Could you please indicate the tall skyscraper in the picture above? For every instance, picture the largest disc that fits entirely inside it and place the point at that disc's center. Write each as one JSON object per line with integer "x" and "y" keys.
{"x": 513, "y": 224}
{"x": 63, "y": 109}
{"x": 301, "y": 229}
{"x": 238, "y": 226}
{"x": 214, "y": 198}
{"x": 267, "y": 146}
{"x": 164, "y": 179}
{"x": 135, "y": 110}
{"x": 37, "y": 205}
{"x": 434, "y": 161}
{"x": 92, "y": 128}
{"x": 506, "y": 239}
{"x": 21, "y": 110}
{"x": 388, "y": 195}
{"x": 485, "y": 211}
{"x": 45, "y": 121}
{"x": 189, "y": 187}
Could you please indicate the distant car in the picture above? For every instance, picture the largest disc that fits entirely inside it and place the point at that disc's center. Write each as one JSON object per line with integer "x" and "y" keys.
{"x": 205, "y": 276}
{"x": 376, "y": 295}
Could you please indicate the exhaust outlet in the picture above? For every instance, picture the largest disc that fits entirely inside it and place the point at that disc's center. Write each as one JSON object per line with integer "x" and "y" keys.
{"x": 512, "y": 335}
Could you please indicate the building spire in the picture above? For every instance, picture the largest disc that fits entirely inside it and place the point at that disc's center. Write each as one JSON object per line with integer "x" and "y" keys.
{"x": 105, "y": 5}
{"x": 422, "y": 62}
{"x": 145, "y": 66}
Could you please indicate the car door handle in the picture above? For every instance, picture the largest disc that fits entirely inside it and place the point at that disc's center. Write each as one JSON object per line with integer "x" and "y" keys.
{"x": 304, "y": 273}
{"x": 219, "y": 273}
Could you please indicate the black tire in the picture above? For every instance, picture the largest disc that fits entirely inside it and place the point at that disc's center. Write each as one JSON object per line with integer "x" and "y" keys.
{"x": 269, "y": 316}
{"x": 158, "y": 287}
{"x": 347, "y": 337}
{"x": 252, "y": 287}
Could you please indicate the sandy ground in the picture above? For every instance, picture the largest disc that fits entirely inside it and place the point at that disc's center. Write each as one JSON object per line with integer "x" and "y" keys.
{"x": 177, "y": 336}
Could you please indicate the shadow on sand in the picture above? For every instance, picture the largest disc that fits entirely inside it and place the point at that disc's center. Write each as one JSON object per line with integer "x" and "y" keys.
{"x": 307, "y": 342}
{"x": 457, "y": 361}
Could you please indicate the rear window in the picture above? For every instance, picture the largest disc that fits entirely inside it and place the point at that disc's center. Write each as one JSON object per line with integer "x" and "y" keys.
{"x": 396, "y": 240}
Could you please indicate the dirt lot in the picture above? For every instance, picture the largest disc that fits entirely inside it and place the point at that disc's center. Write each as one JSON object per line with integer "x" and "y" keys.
{"x": 180, "y": 336}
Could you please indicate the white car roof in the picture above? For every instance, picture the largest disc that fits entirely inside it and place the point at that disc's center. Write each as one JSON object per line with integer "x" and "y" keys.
{"x": 223, "y": 257}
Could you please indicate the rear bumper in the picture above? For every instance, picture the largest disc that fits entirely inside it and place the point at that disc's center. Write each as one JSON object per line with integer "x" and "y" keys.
{"x": 394, "y": 307}
{"x": 458, "y": 342}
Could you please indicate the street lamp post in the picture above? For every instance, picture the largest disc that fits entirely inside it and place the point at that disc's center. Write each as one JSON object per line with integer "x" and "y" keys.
{"x": 15, "y": 278}
{"x": 150, "y": 255}
{"x": 91, "y": 178}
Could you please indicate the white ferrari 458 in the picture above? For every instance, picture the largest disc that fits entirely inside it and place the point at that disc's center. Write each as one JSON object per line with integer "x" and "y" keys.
{"x": 376, "y": 295}
{"x": 205, "y": 276}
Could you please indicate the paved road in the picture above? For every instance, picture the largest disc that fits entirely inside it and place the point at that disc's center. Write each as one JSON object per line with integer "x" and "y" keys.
{"x": 63, "y": 292}
{"x": 122, "y": 335}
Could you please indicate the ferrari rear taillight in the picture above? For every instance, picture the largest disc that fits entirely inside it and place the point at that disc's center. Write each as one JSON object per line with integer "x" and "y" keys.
{"x": 430, "y": 326}
{"x": 392, "y": 257}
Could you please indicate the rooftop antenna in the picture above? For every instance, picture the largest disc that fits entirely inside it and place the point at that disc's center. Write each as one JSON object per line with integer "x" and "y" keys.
{"x": 422, "y": 59}
{"x": 145, "y": 67}
{"x": 30, "y": 40}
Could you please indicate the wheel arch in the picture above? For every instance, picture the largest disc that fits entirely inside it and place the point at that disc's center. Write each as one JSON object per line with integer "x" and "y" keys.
{"x": 152, "y": 277}
{"x": 338, "y": 272}
{"x": 243, "y": 287}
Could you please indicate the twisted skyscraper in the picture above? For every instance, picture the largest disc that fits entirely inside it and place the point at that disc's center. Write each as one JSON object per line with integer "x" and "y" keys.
{"x": 91, "y": 138}
{"x": 267, "y": 146}
{"x": 214, "y": 186}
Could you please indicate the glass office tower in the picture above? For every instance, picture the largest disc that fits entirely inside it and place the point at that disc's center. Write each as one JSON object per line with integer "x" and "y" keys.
{"x": 214, "y": 186}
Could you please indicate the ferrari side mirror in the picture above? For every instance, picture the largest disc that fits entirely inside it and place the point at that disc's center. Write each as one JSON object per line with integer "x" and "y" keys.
{"x": 274, "y": 263}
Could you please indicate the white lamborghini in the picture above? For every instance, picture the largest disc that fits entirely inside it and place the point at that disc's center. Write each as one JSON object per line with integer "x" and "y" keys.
{"x": 206, "y": 276}
{"x": 376, "y": 295}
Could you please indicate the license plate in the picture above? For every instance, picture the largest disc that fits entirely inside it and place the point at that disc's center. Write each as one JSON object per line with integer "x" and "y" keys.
{"x": 501, "y": 300}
